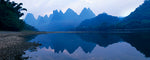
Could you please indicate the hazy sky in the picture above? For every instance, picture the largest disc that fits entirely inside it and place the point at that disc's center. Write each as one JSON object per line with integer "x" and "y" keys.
{"x": 112, "y": 7}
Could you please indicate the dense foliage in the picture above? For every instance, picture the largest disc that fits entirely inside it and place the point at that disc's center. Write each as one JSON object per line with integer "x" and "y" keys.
{"x": 10, "y": 12}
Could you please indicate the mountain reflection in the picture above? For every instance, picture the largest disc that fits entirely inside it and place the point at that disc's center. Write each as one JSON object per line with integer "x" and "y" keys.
{"x": 60, "y": 42}
{"x": 141, "y": 41}
{"x": 102, "y": 40}
{"x": 71, "y": 42}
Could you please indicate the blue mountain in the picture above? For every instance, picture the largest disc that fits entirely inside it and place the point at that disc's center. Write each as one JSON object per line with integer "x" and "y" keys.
{"x": 50, "y": 17}
{"x": 29, "y": 19}
{"x": 100, "y": 22}
{"x": 57, "y": 15}
{"x": 138, "y": 19}
{"x": 70, "y": 13}
{"x": 46, "y": 17}
{"x": 59, "y": 21}
{"x": 86, "y": 14}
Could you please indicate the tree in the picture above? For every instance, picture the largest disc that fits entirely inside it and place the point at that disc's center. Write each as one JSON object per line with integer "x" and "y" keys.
{"x": 10, "y": 13}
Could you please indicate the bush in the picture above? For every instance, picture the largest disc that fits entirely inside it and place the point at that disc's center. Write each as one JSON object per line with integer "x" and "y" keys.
{"x": 10, "y": 12}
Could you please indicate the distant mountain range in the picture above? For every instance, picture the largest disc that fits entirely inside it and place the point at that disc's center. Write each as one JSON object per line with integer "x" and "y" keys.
{"x": 87, "y": 21}
{"x": 100, "y": 22}
{"x": 59, "y": 21}
{"x": 139, "y": 19}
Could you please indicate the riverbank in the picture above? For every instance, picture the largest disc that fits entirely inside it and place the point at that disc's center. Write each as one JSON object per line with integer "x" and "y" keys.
{"x": 13, "y": 44}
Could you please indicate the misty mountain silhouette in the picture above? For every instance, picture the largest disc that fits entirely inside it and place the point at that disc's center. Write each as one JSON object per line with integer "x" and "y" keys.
{"x": 57, "y": 15}
{"x": 59, "y": 21}
{"x": 100, "y": 22}
{"x": 138, "y": 19}
{"x": 87, "y": 14}
{"x": 41, "y": 20}
{"x": 70, "y": 13}
{"x": 30, "y": 19}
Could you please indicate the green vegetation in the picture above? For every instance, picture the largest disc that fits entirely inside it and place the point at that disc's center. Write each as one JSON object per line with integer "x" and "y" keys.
{"x": 10, "y": 13}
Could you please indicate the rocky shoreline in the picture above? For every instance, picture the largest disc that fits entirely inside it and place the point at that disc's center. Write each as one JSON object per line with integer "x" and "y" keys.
{"x": 13, "y": 44}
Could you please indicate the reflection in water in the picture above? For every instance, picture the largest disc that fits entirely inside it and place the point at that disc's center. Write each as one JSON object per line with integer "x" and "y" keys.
{"x": 61, "y": 42}
{"x": 90, "y": 46}
{"x": 141, "y": 41}
{"x": 102, "y": 39}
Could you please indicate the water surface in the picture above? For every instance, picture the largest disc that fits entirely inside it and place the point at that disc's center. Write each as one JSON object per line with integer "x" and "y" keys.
{"x": 90, "y": 46}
